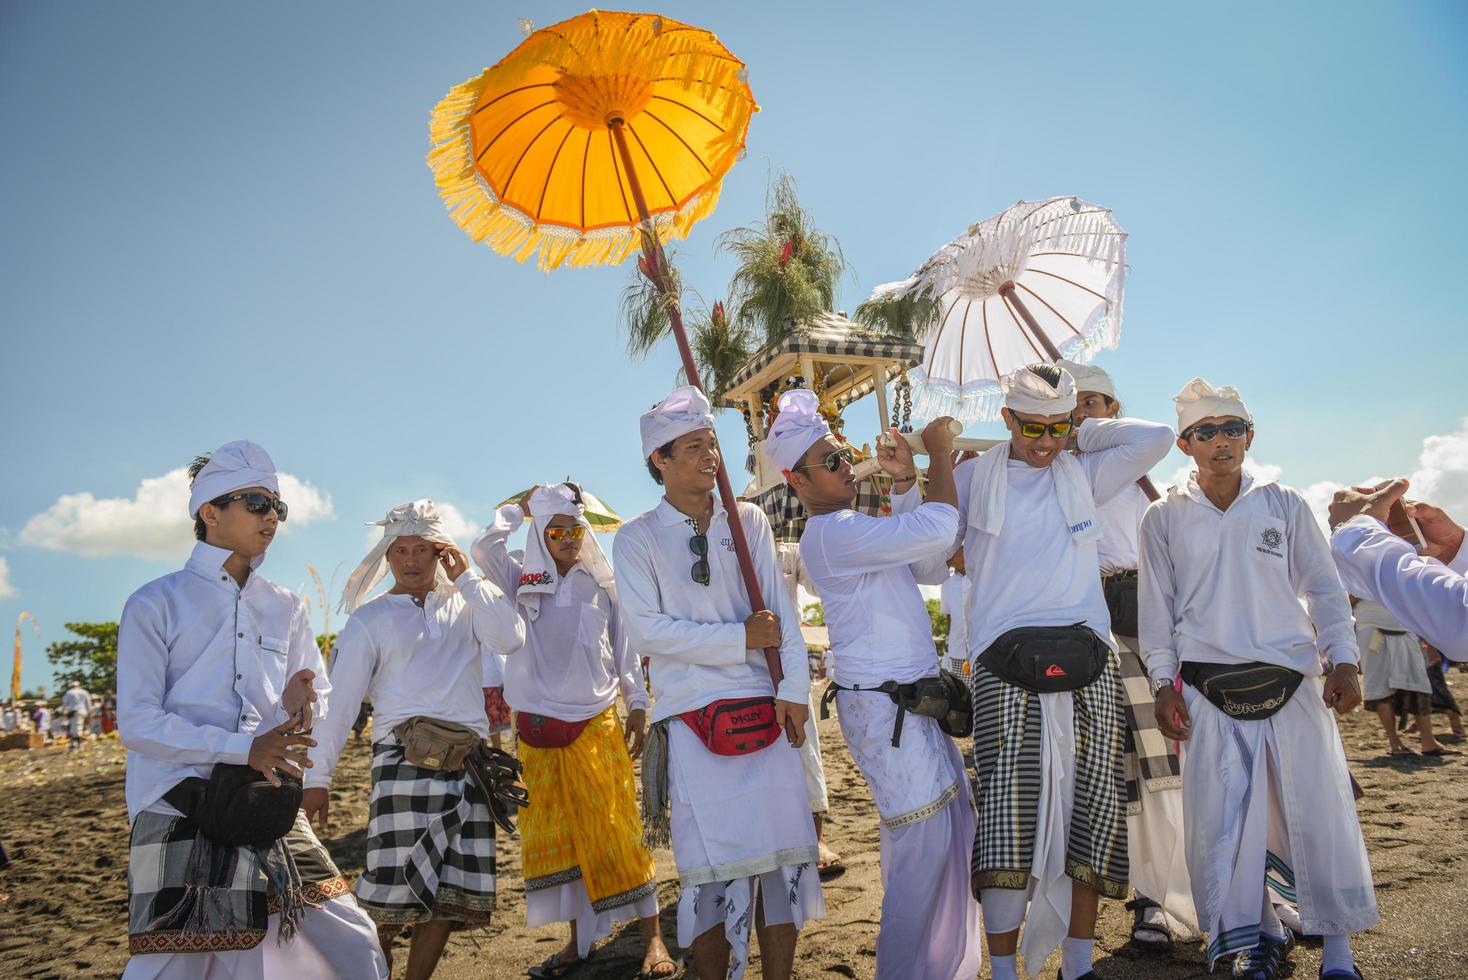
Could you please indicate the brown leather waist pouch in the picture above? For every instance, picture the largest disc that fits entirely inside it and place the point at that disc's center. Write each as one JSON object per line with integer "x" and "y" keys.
{"x": 434, "y": 744}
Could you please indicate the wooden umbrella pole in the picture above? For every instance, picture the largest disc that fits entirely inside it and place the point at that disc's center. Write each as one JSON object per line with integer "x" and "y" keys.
{"x": 1012, "y": 295}
{"x": 657, "y": 274}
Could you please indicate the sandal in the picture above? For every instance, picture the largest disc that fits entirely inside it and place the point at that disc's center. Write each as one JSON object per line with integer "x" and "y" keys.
{"x": 551, "y": 969}
{"x": 1403, "y": 751}
{"x": 1148, "y": 935}
{"x": 677, "y": 966}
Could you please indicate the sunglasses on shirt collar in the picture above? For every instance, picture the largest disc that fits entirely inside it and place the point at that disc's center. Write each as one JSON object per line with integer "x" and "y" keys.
{"x": 699, "y": 545}
{"x": 833, "y": 460}
{"x": 255, "y": 503}
{"x": 1205, "y": 432}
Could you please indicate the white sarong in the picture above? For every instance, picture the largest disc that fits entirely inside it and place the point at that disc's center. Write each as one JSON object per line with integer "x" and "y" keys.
{"x": 1390, "y": 662}
{"x": 930, "y": 921}
{"x": 741, "y": 829}
{"x": 1255, "y": 812}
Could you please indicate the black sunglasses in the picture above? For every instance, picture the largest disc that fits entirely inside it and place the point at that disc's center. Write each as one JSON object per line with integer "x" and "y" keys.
{"x": 255, "y": 503}
{"x": 833, "y": 460}
{"x": 1207, "y": 430}
{"x": 699, "y": 545}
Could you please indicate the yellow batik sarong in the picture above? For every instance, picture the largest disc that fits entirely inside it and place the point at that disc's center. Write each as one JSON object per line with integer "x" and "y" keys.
{"x": 582, "y": 821}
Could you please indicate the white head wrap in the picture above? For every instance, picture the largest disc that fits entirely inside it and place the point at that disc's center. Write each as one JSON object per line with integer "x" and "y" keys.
{"x": 685, "y": 410}
{"x": 1088, "y": 377}
{"x": 798, "y": 427}
{"x": 539, "y": 576}
{"x": 1199, "y": 400}
{"x": 420, "y": 518}
{"x": 233, "y": 466}
{"x": 1027, "y": 392}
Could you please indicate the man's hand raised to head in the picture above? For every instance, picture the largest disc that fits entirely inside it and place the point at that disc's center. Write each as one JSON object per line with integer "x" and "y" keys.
{"x": 1374, "y": 501}
{"x": 454, "y": 562}
{"x": 1444, "y": 535}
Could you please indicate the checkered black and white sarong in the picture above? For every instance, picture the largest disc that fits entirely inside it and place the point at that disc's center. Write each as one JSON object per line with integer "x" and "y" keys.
{"x": 1007, "y": 775}
{"x": 1151, "y": 758}
{"x": 430, "y": 847}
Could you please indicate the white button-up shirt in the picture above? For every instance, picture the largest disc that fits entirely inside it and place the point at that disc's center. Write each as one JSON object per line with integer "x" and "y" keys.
{"x": 413, "y": 660}
{"x": 1032, "y": 573}
{"x": 868, "y": 570}
{"x": 576, "y": 654}
{"x": 953, "y": 603}
{"x": 1225, "y": 586}
{"x": 693, "y": 635}
{"x": 1428, "y": 597}
{"x": 1119, "y": 549}
{"x": 201, "y": 665}
{"x": 76, "y": 699}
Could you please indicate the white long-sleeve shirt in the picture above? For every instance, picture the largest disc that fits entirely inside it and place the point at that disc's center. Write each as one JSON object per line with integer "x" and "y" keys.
{"x": 1119, "y": 548}
{"x": 953, "y": 603}
{"x": 1224, "y": 586}
{"x": 693, "y": 635}
{"x": 201, "y": 666}
{"x": 76, "y": 699}
{"x": 413, "y": 660}
{"x": 868, "y": 570}
{"x": 1428, "y": 597}
{"x": 1032, "y": 573}
{"x": 576, "y": 655}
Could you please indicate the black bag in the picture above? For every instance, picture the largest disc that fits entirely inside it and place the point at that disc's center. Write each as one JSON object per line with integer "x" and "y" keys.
{"x": 1047, "y": 659}
{"x": 1121, "y": 600}
{"x": 944, "y": 698}
{"x": 237, "y": 807}
{"x": 1248, "y": 692}
{"x": 958, "y": 722}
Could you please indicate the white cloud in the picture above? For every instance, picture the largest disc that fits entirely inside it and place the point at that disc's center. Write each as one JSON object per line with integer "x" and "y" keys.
{"x": 7, "y": 591}
{"x": 154, "y": 523}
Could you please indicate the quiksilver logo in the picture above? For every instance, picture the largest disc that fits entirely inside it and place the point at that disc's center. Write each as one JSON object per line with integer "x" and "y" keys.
{"x": 1055, "y": 670}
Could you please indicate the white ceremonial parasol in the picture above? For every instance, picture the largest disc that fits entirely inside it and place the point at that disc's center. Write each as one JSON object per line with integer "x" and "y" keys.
{"x": 1037, "y": 282}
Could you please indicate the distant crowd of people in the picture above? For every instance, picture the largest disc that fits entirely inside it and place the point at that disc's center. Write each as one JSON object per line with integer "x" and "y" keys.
{"x": 77, "y": 717}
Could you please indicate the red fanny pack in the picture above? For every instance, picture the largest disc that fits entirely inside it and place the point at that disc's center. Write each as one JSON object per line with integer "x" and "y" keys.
{"x": 545, "y": 732}
{"x": 734, "y": 727}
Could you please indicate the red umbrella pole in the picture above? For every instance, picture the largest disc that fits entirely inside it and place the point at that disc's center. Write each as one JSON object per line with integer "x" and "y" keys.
{"x": 654, "y": 270}
{"x": 1011, "y": 296}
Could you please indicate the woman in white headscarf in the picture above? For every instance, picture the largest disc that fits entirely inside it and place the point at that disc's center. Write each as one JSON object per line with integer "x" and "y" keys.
{"x": 581, "y": 837}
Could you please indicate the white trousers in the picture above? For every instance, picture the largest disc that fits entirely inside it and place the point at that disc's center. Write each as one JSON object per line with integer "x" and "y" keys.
{"x": 335, "y": 940}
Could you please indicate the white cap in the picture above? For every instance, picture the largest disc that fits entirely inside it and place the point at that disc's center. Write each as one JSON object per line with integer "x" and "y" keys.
{"x": 798, "y": 427}
{"x": 1200, "y": 400}
{"x": 233, "y": 466}
{"x": 1088, "y": 377}
{"x": 685, "y": 410}
{"x": 1025, "y": 391}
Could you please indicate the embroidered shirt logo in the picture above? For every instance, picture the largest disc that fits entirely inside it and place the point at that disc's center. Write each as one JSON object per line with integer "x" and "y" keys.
{"x": 1270, "y": 540}
{"x": 1078, "y": 528}
{"x": 728, "y": 544}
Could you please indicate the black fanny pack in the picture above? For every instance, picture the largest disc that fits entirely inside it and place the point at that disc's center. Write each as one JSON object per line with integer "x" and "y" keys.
{"x": 1248, "y": 692}
{"x": 945, "y": 698}
{"x": 1047, "y": 659}
{"x": 1120, "y": 591}
{"x": 236, "y": 806}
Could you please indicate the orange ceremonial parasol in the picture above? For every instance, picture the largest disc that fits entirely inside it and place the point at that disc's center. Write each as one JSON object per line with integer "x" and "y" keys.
{"x": 596, "y": 136}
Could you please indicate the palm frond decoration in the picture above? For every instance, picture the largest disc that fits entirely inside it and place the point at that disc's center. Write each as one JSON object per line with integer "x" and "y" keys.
{"x": 908, "y": 315}
{"x": 788, "y": 269}
{"x": 720, "y": 347}
{"x": 645, "y": 308}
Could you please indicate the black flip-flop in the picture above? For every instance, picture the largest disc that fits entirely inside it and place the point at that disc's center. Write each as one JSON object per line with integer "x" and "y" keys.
{"x": 677, "y": 970}
{"x": 552, "y": 970}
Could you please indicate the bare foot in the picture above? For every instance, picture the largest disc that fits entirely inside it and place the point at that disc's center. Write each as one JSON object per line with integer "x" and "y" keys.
{"x": 827, "y": 860}
{"x": 658, "y": 963}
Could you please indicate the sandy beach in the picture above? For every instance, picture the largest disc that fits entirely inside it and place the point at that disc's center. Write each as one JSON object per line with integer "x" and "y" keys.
{"x": 64, "y": 824}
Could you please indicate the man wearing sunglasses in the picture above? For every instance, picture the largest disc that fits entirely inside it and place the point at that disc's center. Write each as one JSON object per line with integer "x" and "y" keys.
{"x": 718, "y": 777}
{"x": 867, "y": 570}
{"x": 417, "y": 652}
{"x": 581, "y": 836}
{"x": 1226, "y": 562}
{"x": 216, "y": 666}
{"x": 1049, "y": 731}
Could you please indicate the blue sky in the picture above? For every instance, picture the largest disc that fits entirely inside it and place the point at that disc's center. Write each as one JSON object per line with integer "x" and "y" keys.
{"x": 216, "y": 222}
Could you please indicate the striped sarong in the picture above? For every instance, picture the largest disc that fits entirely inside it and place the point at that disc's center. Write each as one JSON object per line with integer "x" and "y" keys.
{"x": 1007, "y": 776}
{"x": 1151, "y": 758}
{"x": 582, "y": 822}
{"x": 430, "y": 845}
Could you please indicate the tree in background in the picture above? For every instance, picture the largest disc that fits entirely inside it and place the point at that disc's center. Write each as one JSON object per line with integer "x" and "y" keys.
{"x": 813, "y": 615}
{"x": 940, "y": 626}
{"x": 91, "y": 658}
{"x": 326, "y": 643}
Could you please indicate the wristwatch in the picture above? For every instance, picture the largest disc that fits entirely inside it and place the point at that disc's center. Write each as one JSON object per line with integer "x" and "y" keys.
{"x": 1159, "y": 683}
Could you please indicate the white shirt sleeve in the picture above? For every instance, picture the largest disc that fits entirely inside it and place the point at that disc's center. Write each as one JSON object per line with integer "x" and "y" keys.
{"x": 1156, "y": 595}
{"x": 304, "y": 653}
{"x": 1316, "y": 581}
{"x": 1428, "y": 597}
{"x": 142, "y": 722}
{"x": 653, "y": 632}
{"x": 1118, "y": 452}
{"x": 491, "y": 553}
{"x": 627, "y": 665}
{"x": 494, "y": 619}
{"x": 356, "y": 661}
{"x": 852, "y": 543}
{"x": 794, "y": 662}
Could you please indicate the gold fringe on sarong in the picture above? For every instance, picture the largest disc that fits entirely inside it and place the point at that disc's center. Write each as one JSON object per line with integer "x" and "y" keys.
{"x": 582, "y": 821}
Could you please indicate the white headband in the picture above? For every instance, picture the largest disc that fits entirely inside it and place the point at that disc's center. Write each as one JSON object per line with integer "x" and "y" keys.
{"x": 1200, "y": 400}
{"x": 1027, "y": 392}
{"x": 420, "y": 518}
{"x": 685, "y": 410}
{"x": 538, "y": 569}
{"x": 233, "y": 466}
{"x": 1088, "y": 377}
{"x": 798, "y": 427}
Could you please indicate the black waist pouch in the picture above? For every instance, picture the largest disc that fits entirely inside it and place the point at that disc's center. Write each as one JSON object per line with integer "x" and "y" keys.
{"x": 1047, "y": 659}
{"x": 1248, "y": 692}
{"x": 237, "y": 807}
{"x": 1121, "y": 601}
